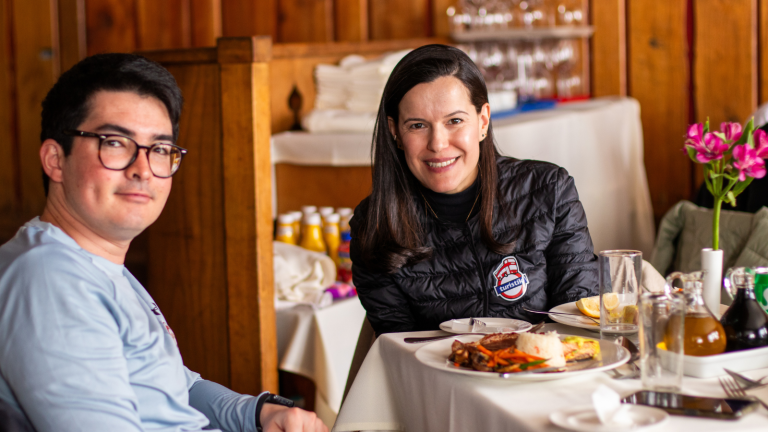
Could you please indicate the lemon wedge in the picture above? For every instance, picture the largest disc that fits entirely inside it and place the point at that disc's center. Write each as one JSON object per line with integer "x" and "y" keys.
{"x": 610, "y": 301}
{"x": 589, "y": 306}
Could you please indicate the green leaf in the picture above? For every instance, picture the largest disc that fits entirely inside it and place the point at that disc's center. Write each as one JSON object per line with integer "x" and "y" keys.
{"x": 747, "y": 131}
{"x": 525, "y": 366}
{"x": 739, "y": 188}
{"x": 720, "y": 135}
{"x": 751, "y": 141}
{"x": 691, "y": 154}
{"x": 706, "y": 125}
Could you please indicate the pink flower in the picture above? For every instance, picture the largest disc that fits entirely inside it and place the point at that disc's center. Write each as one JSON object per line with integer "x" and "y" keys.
{"x": 746, "y": 161}
{"x": 761, "y": 143}
{"x": 711, "y": 148}
{"x": 695, "y": 134}
{"x": 732, "y": 131}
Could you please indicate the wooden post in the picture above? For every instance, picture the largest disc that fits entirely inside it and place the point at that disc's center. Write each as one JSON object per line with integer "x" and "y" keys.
{"x": 247, "y": 212}
{"x": 609, "y": 48}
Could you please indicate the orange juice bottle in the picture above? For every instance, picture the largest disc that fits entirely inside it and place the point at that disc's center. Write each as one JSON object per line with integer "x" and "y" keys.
{"x": 297, "y": 216}
{"x": 285, "y": 232}
{"x": 324, "y": 212}
{"x": 312, "y": 236}
{"x": 332, "y": 236}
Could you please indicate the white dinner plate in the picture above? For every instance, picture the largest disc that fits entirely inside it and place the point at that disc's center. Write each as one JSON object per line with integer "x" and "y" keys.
{"x": 493, "y": 324}
{"x": 582, "y": 321}
{"x": 435, "y": 355}
{"x": 584, "y": 419}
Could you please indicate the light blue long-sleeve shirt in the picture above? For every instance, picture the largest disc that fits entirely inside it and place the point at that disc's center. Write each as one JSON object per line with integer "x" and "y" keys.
{"x": 83, "y": 347}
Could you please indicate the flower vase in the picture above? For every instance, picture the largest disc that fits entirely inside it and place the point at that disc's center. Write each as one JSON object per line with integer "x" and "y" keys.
{"x": 712, "y": 264}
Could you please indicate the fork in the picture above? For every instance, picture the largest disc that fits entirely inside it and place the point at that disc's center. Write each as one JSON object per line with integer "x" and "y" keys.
{"x": 747, "y": 383}
{"x": 732, "y": 389}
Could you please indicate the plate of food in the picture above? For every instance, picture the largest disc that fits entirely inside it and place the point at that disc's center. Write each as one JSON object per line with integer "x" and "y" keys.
{"x": 523, "y": 356}
{"x": 486, "y": 325}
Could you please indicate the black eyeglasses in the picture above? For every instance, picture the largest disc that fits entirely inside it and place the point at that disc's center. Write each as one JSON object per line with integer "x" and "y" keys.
{"x": 117, "y": 152}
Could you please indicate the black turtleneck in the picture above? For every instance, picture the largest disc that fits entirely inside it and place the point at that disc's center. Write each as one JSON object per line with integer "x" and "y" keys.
{"x": 453, "y": 207}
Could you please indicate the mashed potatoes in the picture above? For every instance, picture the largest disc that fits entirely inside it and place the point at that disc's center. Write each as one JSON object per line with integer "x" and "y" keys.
{"x": 547, "y": 346}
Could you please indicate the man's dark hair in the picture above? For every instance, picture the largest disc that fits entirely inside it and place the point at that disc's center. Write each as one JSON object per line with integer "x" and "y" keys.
{"x": 390, "y": 233}
{"x": 68, "y": 103}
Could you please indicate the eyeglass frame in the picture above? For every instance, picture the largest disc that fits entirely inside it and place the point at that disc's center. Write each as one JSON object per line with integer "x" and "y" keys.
{"x": 102, "y": 137}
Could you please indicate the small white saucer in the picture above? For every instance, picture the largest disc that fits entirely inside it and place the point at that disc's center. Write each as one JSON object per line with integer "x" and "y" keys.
{"x": 584, "y": 419}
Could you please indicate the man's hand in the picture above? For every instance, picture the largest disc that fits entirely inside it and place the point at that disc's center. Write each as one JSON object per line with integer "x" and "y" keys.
{"x": 278, "y": 418}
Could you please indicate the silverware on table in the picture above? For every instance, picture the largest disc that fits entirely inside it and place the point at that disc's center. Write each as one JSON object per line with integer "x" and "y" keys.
{"x": 634, "y": 355}
{"x": 733, "y": 390}
{"x": 561, "y": 313}
{"x": 533, "y": 329}
{"x": 745, "y": 382}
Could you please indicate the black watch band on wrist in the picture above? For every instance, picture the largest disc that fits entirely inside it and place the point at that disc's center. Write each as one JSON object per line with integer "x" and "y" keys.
{"x": 270, "y": 399}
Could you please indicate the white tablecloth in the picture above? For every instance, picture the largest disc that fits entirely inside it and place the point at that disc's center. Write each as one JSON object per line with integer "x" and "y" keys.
{"x": 394, "y": 391}
{"x": 319, "y": 344}
{"x": 599, "y": 142}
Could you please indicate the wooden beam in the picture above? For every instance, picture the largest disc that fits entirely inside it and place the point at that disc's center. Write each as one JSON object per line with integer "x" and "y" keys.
{"x": 440, "y": 25}
{"x": 763, "y": 52}
{"x": 609, "y": 48}
{"x": 659, "y": 80}
{"x": 35, "y": 72}
{"x": 163, "y": 24}
{"x": 72, "y": 47}
{"x": 351, "y": 20}
{"x": 725, "y": 60}
{"x": 399, "y": 19}
{"x": 248, "y": 219}
{"x": 206, "y": 22}
{"x": 249, "y": 17}
{"x": 111, "y": 26}
{"x": 10, "y": 192}
{"x": 305, "y": 21}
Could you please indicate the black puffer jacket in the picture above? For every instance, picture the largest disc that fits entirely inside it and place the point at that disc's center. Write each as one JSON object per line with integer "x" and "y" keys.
{"x": 552, "y": 263}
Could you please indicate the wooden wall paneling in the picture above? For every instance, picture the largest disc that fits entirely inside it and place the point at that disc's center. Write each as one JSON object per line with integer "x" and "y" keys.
{"x": 249, "y": 17}
{"x": 399, "y": 19}
{"x": 206, "y": 22}
{"x": 440, "y": 23}
{"x": 72, "y": 46}
{"x": 351, "y": 20}
{"x": 762, "y": 51}
{"x": 725, "y": 60}
{"x": 186, "y": 246}
{"x": 298, "y": 185}
{"x": 110, "y": 26}
{"x": 10, "y": 196}
{"x": 609, "y": 48}
{"x": 163, "y": 24}
{"x": 305, "y": 21}
{"x": 248, "y": 213}
{"x": 659, "y": 79}
{"x": 36, "y": 68}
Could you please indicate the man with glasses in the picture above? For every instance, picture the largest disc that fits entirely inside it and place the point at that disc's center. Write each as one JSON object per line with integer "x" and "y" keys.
{"x": 83, "y": 347}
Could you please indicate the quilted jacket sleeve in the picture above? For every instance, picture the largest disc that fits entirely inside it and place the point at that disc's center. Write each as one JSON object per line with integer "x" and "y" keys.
{"x": 571, "y": 262}
{"x": 385, "y": 303}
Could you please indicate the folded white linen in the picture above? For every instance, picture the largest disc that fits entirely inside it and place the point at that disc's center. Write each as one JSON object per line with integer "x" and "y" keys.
{"x": 301, "y": 275}
{"x": 327, "y": 120}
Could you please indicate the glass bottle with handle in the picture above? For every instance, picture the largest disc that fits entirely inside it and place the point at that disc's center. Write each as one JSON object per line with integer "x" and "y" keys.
{"x": 745, "y": 322}
{"x": 703, "y": 333}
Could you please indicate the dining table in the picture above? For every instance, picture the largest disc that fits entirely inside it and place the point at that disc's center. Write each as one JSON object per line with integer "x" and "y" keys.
{"x": 394, "y": 391}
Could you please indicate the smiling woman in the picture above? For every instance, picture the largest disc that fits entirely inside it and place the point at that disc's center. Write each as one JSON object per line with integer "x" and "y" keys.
{"x": 452, "y": 229}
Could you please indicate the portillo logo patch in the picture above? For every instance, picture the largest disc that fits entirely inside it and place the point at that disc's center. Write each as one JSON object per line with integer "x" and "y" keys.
{"x": 510, "y": 284}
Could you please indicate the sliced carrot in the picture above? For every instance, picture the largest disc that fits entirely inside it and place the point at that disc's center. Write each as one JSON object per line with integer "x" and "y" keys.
{"x": 484, "y": 350}
{"x": 502, "y": 362}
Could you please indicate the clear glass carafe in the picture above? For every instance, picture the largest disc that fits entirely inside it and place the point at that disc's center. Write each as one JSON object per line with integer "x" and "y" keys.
{"x": 745, "y": 322}
{"x": 703, "y": 333}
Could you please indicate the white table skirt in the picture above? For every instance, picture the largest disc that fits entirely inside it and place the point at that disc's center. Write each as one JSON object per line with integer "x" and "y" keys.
{"x": 394, "y": 391}
{"x": 319, "y": 344}
{"x": 599, "y": 142}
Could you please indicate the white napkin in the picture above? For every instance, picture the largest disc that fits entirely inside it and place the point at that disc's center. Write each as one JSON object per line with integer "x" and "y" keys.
{"x": 301, "y": 275}
{"x": 609, "y": 408}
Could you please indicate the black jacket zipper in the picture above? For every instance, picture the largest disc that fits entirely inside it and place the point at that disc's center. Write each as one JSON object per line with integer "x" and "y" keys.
{"x": 468, "y": 233}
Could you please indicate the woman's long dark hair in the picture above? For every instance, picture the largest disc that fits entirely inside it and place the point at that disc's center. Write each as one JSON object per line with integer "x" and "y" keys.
{"x": 390, "y": 234}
